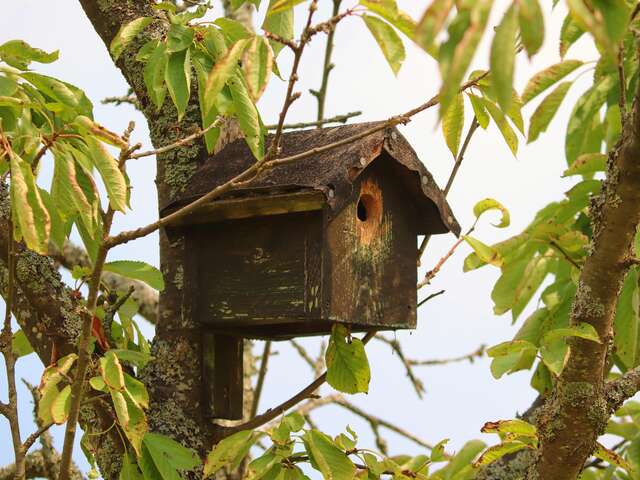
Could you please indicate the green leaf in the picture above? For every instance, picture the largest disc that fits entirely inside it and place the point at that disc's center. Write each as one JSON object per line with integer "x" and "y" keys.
{"x": 278, "y": 6}
{"x": 461, "y": 461}
{"x": 545, "y": 112}
{"x": 503, "y": 125}
{"x": 137, "y": 270}
{"x": 137, "y": 391}
{"x": 179, "y": 38}
{"x": 97, "y": 383}
{"x": 627, "y": 322}
{"x": 502, "y": 59}
{"x": 139, "y": 359}
{"x": 281, "y": 24}
{"x": 126, "y": 34}
{"x": 233, "y": 29}
{"x": 587, "y": 163}
{"x": 486, "y": 253}
{"x": 388, "y": 41}
{"x": 212, "y": 135}
{"x": 129, "y": 470}
{"x": 491, "y": 204}
{"x": 168, "y": 455}
{"x": 453, "y": 123}
{"x": 547, "y": 77}
{"x": 432, "y": 21}
{"x": 496, "y": 452}
{"x": 112, "y": 177}
{"x": 20, "y": 344}
{"x": 584, "y": 113}
{"x": 248, "y": 116}
{"x": 229, "y": 452}
{"x": 385, "y": 8}
{"x": 569, "y": 34}
{"x": 531, "y": 23}
{"x": 60, "y": 406}
{"x": 347, "y": 363}
{"x": 31, "y": 218}
{"x": 482, "y": 116}
{"x": 327, "y": 458}
{"x": 220, "y": 73}
{"x": 178, "y": 78}
{"x": 257, "y": 65}
{"x": 582, "y": 330}
{"x": 455, "y": 55}
{"x": 20, "y": 54}
{"x": 153, "y": 74}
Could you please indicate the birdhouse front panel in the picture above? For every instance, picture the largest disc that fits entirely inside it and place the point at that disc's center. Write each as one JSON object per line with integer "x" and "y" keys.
{"x": 371, "y": 254}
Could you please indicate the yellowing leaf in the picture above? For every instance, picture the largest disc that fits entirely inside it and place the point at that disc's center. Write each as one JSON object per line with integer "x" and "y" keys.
{"x": 327, "y": 457}
{"x": 126, "y": 34}
{"x": 491, "y": 204}
{"x": 496, "y": 452}
{"x": 388, "y": 41}
{"x": 111, "y": 371}
{"x": 257, "y": 64}
{"x": 503, "y": 125}
{"x": 582, "y": 330}
{"x": 486, "y": 253}
{"x": 545, "y": 112}
{"x": 515, "y": 426}
{"x": 220, "y": 73}
{"x": 112, "y": 177}
{"x": 587, "y": 163}
{"x": 547, "y": 77}
{"x": 60, "y": 406}
{"x": 432, "y": 22}
{"x": 30, "y": 216}
{"x": 609, "y": 456}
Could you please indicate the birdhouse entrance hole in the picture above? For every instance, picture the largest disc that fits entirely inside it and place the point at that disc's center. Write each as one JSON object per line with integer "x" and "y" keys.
{"x": 369, "y": 211}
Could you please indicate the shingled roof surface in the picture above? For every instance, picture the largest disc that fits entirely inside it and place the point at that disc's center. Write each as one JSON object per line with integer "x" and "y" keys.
{"x": 331, "y": 172}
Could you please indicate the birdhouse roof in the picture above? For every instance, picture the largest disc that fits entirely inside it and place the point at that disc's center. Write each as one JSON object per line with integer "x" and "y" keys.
{"x": 331, "y": 172}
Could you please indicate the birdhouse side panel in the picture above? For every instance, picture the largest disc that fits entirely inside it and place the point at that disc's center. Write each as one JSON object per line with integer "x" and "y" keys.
{"x": 370, "y": 261}
{"x": 259, "y": 272}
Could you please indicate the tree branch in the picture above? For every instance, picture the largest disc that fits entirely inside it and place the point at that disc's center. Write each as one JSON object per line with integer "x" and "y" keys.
{"x": 250, "y": 174}
{"x": 146, "y": 297}
{"x": 337, "y": 119}
{"x": 579, "y": 407}
{"x": 321, "y": 95}
{"x": 272, "y": 413}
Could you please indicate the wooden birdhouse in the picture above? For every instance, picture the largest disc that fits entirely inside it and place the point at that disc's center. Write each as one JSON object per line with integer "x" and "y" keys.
{"x": 329, "y": 238}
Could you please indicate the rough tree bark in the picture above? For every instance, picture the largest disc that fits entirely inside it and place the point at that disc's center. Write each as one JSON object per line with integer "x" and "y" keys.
{"x": 174, "y": 377}
{"x": 582, "y": 402}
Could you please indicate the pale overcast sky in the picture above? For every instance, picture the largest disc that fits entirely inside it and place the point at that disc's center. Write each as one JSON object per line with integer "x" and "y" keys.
{"x": 459, "y": 398}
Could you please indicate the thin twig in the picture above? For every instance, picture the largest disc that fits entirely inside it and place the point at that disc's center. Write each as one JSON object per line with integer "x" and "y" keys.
{"x": 178, "y": 143}
{"x": 565, "y": 254}
{"x": 272, "y": 413}
{"x": 478, "y": 353}
{"x": 395, "y": 346}
{"x": 429, "y": 297}
{"x": 84, "y": 355}
{"x": 434, "y": 271}
{"x": 290, "y": 97}
{"x": 304, "y": 354}
{"x": 622, "y": 101}
{"x": 337, "y": 119}
{"x": 321, "y": 95}
{"x": 454, "y": 172}
{"x": 250, "y": 173}
{"x": 266, "y": 353}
